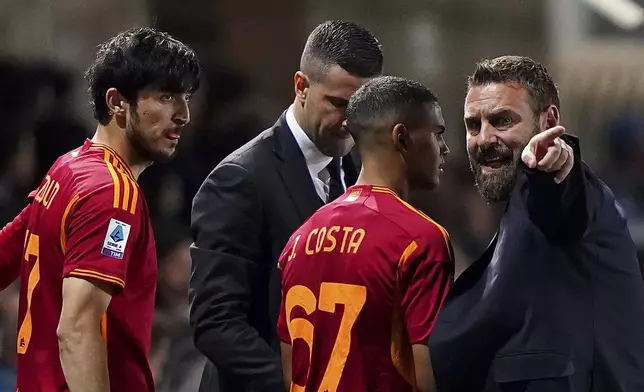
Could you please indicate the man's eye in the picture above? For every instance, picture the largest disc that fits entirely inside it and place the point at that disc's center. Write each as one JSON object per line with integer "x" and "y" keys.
{"x": 166, "y": 97}
{"x": 506, "y": 120}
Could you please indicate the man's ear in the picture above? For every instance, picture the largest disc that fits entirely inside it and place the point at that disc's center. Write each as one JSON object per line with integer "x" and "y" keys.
{"x": 116, "y": 103}
{"x": 401, "y": 138}
{"x": 550, "y": 118}
{"x": 301, "y": 85}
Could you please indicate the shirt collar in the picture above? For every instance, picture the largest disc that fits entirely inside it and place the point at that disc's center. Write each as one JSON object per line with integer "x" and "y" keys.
{"x": 315, "y": 159}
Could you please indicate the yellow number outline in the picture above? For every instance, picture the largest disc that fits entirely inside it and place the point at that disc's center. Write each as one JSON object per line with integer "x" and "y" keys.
{"x": 353, "y": 297}
{"x": 32, "y": 248}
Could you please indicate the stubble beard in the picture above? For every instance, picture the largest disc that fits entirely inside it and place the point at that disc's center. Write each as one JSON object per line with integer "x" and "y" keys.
{"x": 140, "y": 145}
{"x": 497, "y": 185}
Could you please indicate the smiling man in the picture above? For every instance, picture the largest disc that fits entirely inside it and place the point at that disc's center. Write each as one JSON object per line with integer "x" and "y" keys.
{"x": 556, "y": 301}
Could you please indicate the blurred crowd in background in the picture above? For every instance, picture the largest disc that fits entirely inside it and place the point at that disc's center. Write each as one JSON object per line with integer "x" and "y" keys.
{"x": 43, "y": 112}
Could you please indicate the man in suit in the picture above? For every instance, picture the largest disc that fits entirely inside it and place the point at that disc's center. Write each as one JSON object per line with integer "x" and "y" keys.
{"x": 556, "y": 302}
{"x": 249, "y": 205}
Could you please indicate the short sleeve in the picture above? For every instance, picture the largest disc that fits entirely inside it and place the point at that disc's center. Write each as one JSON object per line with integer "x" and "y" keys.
{"x": 101, "y": 238}
{"x": 426, "y": 271}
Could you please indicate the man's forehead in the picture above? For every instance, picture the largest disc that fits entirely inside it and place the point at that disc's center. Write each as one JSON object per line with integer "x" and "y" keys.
{"x": 436, "y": 114}
{"x": 494, "y": 97}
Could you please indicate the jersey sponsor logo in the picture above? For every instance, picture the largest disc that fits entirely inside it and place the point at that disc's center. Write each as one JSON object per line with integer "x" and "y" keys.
{"x": 116, "y": 239}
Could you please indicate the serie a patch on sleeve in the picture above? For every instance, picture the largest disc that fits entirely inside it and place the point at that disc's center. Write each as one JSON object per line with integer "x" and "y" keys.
{"x": 115, "y": 239}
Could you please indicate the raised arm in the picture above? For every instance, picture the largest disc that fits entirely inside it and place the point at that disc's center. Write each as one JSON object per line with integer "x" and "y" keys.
{"x": 226, "y": 257}
{"x": 556, "y": 196}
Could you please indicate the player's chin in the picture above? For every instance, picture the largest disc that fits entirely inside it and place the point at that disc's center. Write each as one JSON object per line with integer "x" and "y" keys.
{"x": 165, "y": 154}
{"x": 168, "y": 154}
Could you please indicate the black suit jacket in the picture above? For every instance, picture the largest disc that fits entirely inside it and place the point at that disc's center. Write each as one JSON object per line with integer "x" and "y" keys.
{"x": 242, "y": 217}
{"x": 556, "y": 302}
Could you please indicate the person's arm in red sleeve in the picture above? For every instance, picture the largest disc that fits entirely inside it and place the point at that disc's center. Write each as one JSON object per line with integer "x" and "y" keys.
{"x": 12, "y": 238}
{"x": 100, "y": 241}
{"x": 426, "y": 273}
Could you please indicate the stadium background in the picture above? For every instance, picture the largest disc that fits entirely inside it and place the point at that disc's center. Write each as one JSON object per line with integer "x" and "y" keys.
{"x": 250, "y": 50}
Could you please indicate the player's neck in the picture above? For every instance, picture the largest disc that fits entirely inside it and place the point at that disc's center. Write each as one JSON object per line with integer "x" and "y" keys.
{"x": 116, "y": 140}
{"x": 387, "y": 176}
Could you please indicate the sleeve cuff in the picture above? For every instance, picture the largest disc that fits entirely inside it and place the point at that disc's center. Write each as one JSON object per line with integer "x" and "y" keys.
{"x": 85, "y": 273}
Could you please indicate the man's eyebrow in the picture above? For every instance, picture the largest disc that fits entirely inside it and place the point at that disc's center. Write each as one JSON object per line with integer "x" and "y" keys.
{"x": 501, "y": 111}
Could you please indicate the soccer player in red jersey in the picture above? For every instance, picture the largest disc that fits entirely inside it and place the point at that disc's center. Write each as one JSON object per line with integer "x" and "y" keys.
{"x": 364, "y": 278}
{"x": 84, "y": 246}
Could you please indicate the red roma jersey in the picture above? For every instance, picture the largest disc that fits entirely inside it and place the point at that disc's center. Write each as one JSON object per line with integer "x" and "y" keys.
{"x": 87, "y": 219}
{"x": 362, "y": 280}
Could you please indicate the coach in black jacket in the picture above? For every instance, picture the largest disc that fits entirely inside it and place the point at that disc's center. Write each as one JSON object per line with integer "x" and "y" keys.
{"x": 249, "y": 205}
{"x": 556, "y": 302}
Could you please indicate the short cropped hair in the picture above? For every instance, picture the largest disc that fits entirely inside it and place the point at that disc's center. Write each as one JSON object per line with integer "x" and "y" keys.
{"x": 138, "y": 59}
{"x": 385, "y": 101}
{"x": 341, "y": 43}
{"x": 524, "y": 71}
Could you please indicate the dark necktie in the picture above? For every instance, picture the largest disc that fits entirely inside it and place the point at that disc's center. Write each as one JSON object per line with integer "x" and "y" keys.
{"x": 335, "y": 181}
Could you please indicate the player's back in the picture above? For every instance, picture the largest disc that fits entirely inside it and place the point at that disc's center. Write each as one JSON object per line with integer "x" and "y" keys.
{"x": 87, "y": 218}
{"x": 362, "y": 280}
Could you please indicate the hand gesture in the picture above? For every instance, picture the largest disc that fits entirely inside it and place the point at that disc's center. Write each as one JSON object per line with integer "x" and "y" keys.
{"x": 547, "y": 152}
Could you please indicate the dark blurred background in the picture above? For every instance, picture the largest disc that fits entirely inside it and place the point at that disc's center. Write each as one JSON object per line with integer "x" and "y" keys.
{"x": 250, "y": 50}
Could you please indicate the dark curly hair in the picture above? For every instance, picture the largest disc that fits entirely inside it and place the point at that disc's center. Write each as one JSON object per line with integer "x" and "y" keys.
{"x": 138, "y": 59}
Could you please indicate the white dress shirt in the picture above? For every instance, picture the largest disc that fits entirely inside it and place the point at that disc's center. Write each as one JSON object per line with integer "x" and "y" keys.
{"x": 315, "y": 159}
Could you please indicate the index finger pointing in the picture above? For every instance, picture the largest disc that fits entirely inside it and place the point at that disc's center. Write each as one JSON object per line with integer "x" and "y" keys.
{"x": 548, "y": 136}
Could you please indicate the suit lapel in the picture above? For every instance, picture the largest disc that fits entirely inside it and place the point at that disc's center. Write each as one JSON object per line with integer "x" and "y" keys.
{"x": 294, "y": 171}
{"x": 475, "y": 272}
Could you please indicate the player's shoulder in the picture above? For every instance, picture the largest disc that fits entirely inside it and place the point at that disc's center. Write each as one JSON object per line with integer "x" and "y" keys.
{"x": 100, "y": 174}
{"x": 415, "y": 222}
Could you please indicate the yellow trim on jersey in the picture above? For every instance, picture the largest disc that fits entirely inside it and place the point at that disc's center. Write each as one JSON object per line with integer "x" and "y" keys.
{"x": 121, "y": 178}
{"x": 383, "y": 190}
{"x": 135, "y": 195}
{"x": 63, "y": 223}
{"x": 125, "y": 183}
{"x": 120, "y": 160}
{"x": 407, "y": 252}
{"x": 126, "y": 190}
{"x": 422, "y": 214}
{"x": 97, "y": 275}
{"x": 115, "y": 179}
